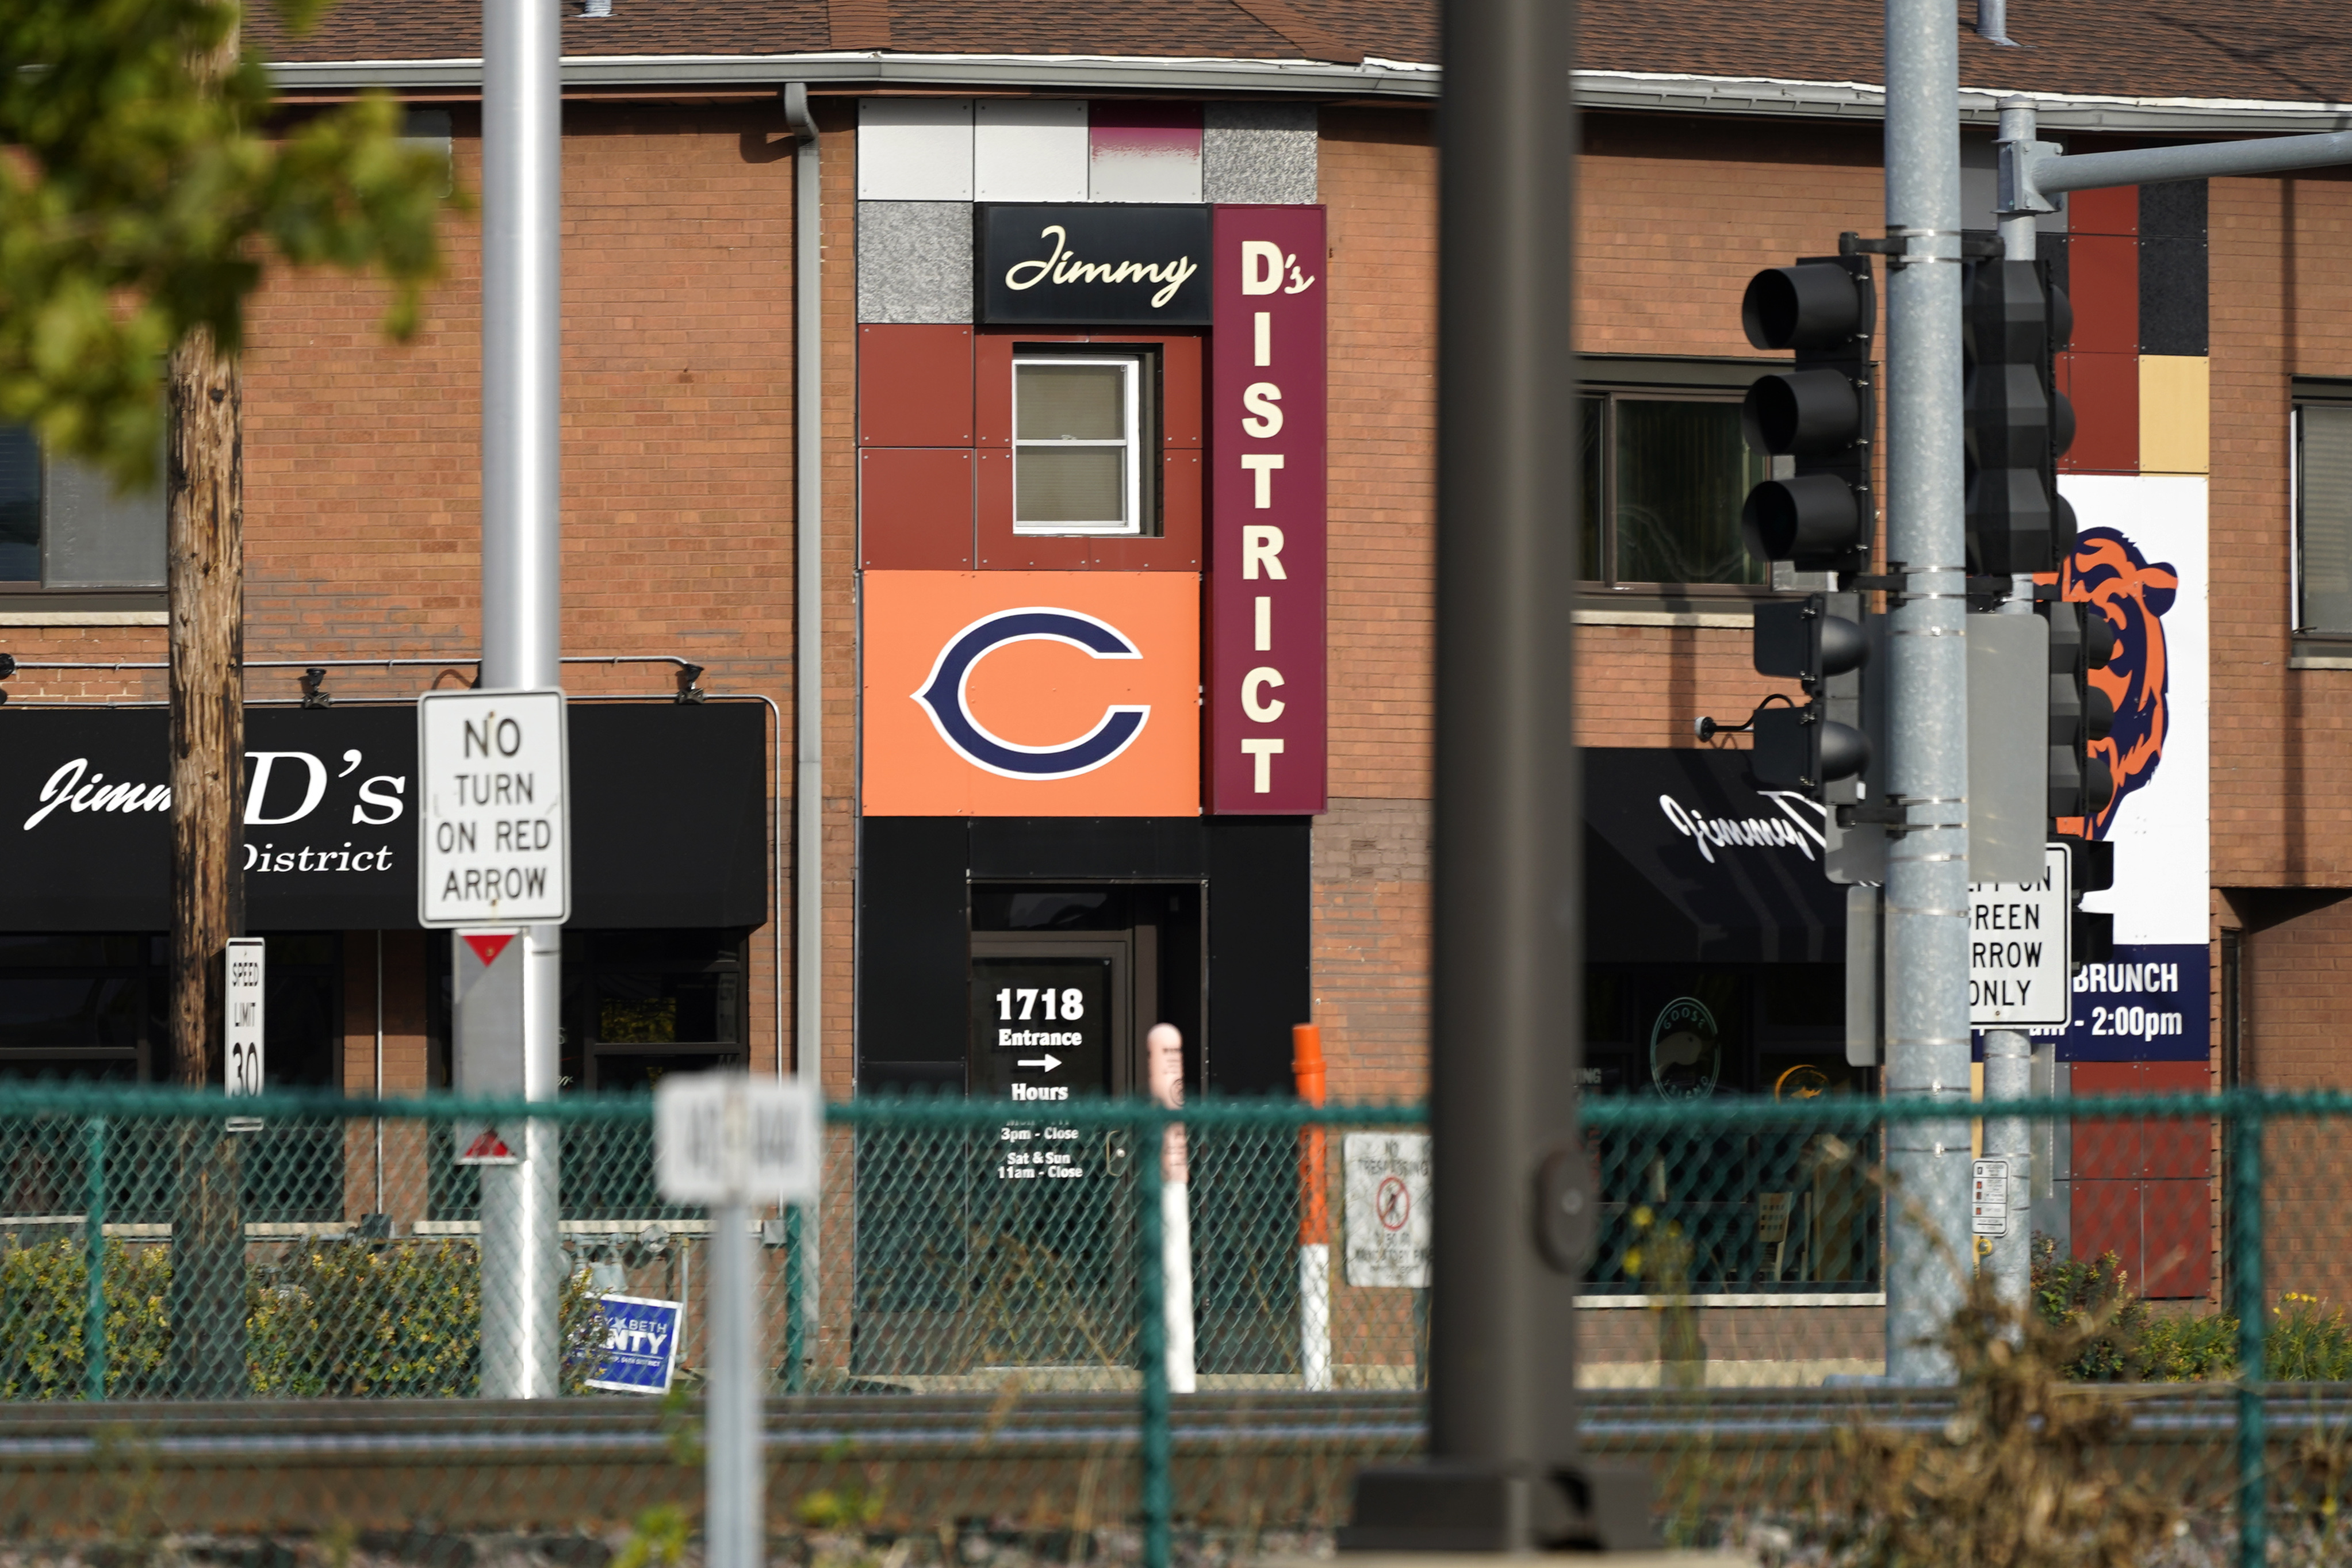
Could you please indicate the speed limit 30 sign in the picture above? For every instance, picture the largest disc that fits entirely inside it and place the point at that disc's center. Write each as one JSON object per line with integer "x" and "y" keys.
{"x": 241, "y": 1069}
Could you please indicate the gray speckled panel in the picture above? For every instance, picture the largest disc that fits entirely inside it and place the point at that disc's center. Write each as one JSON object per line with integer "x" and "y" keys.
{"x": 914, "y": 261}
{"x": 1258, "y": 152}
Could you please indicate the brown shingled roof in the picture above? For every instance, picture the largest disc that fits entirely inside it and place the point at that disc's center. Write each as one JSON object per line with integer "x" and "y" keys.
{"x": 2283, "y": 49}
{"x": 1242, "y": 29}
{"x": 2298, "y": 50}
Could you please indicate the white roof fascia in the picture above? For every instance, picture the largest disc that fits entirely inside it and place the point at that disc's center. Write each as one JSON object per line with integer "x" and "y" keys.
{"x": 1374, "y": 78}
{"x": 1775, "y": 96}
{"x": 1668, "y": 92}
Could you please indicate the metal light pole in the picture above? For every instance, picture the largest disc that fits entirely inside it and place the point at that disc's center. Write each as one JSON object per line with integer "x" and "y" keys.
{"x": 1512, "y": 1214}
{"x": 1927, "y": 861}
{"x": 2008, "y": 1053}
{"x": 735, "y": 1527}
{"x": 523, "y": 157}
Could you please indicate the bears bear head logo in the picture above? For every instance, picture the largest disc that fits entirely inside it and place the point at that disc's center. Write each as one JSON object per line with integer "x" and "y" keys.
{"x": 2107, "y": 572}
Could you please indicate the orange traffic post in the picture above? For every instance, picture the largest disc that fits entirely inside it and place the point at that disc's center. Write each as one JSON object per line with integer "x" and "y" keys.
{"x": 1314, "y": 1215}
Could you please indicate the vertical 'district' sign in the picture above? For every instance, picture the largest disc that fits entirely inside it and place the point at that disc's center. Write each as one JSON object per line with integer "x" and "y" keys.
{"x": 1267, "y": 397}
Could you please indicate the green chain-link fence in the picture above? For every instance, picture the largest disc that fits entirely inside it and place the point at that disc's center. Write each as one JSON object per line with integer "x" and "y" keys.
{"x": 275, "y": 1331}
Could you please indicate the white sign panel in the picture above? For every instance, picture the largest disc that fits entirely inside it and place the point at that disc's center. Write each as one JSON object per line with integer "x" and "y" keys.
{"x": 247, "y": 982}
{"x": 2017, "y": 974}
{"x": 1988, "y": 1199}
{"x": 494, "y": 845}
{"x": 1387, "y": 1208}
{"x": 728, "y": 1137}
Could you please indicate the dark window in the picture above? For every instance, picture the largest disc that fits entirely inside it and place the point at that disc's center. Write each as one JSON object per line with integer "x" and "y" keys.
{"x": 1665, "y": 478}
{"x": 82, "y": 1007}
{"x": 1773, "y": 1210}
{"x": 2322, "y": 509}
{"x": 63, "y": 528}
{"x": 638, "y": 1004}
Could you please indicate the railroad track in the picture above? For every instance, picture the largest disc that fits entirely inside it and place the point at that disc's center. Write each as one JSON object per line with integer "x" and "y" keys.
{"x": 1014, "y": 1461}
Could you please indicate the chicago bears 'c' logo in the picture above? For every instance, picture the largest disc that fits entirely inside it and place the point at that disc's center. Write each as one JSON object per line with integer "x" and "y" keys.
{"x": 944, "y": 698}
{"x": 2107, "y": 572}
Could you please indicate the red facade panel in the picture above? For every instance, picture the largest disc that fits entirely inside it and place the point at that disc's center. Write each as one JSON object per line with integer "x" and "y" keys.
{"x": 914, "y": 510}
{"x": 2114, "y": 210}
{"x": 2104, "y": 391}
{"x": 2105, "y": 1218}
{"x": 2176, "y": 1239}
{"x": 2103, "y": 286}
{"x": 2177, "y": 1148}
{"x": 914, "y": 386}
{"x": 2108, "y": 1148}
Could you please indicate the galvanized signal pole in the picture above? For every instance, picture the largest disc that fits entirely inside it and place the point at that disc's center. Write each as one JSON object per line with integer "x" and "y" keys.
{"x": 523, "y": 160}
{"x": 1926, "y": 997}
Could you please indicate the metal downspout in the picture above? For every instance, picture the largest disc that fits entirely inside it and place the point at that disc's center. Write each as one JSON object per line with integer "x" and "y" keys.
{"x": 808, "y": 647}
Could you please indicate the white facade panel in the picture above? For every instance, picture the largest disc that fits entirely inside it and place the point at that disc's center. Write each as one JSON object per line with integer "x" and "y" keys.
{"x": 2151, "y": 532}
{"x": 1127, "y": 172}
{"x": 1029, "y": 150}
{"x": 915, "y": 149}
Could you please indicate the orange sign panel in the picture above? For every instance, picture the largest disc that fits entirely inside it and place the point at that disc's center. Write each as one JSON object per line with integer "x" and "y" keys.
{"x": 1032, "y": 693}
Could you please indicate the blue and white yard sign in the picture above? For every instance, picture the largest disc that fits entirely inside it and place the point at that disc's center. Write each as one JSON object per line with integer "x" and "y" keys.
{"x": 640, "y": 1345}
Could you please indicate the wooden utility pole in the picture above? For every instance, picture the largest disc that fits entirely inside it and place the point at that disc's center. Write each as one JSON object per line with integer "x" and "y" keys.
{"x": 206, "y": 478}
{"x": 204, "y": 474}
{"x": 207, "y": 596}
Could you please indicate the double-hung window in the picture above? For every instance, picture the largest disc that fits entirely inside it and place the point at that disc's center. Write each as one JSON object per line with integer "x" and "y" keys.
{"x": 1084, "y": 436}
{"x": 64, "y": 530}
{"x": 2323, "y": 508}
{"x": 1665, "y": 472}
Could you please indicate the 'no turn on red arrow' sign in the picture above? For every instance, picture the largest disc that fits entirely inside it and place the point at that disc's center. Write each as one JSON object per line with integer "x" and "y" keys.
{"x": 494, "y": 844}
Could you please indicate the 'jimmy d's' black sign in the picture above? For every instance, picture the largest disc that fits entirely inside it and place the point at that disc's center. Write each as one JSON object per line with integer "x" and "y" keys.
{"x": 1094, "y": 265}
{"x": 669, "y": 817}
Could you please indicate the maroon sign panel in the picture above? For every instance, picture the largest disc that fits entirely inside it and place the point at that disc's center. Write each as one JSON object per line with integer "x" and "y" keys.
{"x": 1266, "y": 401}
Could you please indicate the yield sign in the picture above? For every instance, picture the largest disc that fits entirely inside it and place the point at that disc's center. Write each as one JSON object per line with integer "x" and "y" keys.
{"x": 488, "y": 1148}
{"x": 487, "y": 944}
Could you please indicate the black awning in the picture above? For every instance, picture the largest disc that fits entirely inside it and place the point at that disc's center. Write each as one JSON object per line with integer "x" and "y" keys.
{"x": 669, "y": 817}
{"x": 1687, "y": 859}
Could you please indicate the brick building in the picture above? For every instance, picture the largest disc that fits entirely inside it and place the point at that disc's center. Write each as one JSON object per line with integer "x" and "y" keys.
{"x": 1126, "y": 588}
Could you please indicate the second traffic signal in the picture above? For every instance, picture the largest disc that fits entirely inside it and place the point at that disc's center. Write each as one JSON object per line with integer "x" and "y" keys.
{"x": 1820, "y": 414}
{"x": 2082, "y": 640}
{"x": 2018, "y": 422}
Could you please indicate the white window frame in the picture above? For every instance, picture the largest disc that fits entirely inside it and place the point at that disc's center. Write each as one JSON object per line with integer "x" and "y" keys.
{"x": 1130, "y": 367}
{"x": 2305, "y": 397}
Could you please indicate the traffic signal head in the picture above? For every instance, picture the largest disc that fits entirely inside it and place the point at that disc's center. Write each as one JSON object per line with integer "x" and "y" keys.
{"x": 2018, "y": 422}
{"x": 1820, "y": 414}
{"x": 1800, "y": 640}
{"x": 2082, "y": 640}
{"x": 2092, "y": 869}
{"x": 1804, "y": 748}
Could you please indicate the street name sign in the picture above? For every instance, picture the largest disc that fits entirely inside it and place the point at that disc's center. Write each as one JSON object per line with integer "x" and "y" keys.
{"x": 2018, "y": 973}
{"x": 494, "y": 844}
{"x": 730, "y": 1138}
